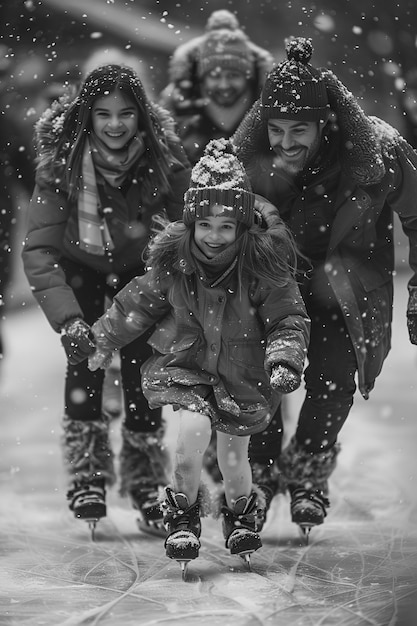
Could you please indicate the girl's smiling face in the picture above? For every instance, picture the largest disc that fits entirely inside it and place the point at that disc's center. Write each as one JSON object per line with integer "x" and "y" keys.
{"x": 215, "y": 233}
{"x": 115, "y": 120}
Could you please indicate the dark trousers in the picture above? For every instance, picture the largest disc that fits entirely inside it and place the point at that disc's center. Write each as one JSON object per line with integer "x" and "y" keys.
{"x": 83, "y": 388}
{"x": 329, "y": 378}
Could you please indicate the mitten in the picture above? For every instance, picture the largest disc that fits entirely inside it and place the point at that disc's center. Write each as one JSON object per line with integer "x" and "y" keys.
{"x": 78, "y": 340}
{"x": 102, "y": 358}
{"x": 284, "y": 379}
{"x": 412, "y": 315}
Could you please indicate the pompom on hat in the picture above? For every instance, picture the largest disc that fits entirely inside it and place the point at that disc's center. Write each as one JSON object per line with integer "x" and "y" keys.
{"x": 295, "y": 89}
{"x": 225, "y": 46}
{"x": 219, "y": 178}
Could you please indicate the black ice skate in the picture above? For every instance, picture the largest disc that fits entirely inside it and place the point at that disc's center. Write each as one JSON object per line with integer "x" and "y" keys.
{"x": 306, "y": 475}
{"x": 183, "y": 525}
{"x": 145, "y": 501}
{"x": 308, "y": 508}
{"x": 240, "y": 525}
{"x": 87, "y": 500}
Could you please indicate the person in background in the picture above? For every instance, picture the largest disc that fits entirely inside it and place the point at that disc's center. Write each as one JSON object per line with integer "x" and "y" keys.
{"x": 231, "y": 337}
{"x": 108, "y": 160}
{"x": 336, "y": 176}
{"x": 214, "y": 80}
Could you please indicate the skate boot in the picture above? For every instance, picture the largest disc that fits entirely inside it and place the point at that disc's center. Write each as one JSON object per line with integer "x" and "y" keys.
{"x": 266, "y": 477}
{"x": 89, "y": 462}
{"x": 87, "y": 500}
{"x": 308, "y": 508}
{"x": 183, "y": 525}
{"x": 306, "y": 474}
{"x": 144, "y": 461}
{"x": 240, "y": 525}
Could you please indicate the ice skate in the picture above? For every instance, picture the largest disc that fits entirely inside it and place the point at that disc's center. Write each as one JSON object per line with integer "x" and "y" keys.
{"x": 306, "y": 477}
{"x": 145, "y": 501}
{"x": 144, "y": 462}
{"x": 87, "y": 500}
{"x": 308, "y": 509}
{"x": 183, "y": 525}
{"x": 240, "y": 525}
{"x": 89, "y": 462}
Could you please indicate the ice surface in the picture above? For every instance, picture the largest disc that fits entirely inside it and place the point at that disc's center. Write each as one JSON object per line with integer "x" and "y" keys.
{"x": 359, "y": 569}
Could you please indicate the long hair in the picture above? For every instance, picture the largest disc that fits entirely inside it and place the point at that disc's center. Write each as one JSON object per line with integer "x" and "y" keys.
{"x": 77, "y": 124}
{"x": 268, "y": 255}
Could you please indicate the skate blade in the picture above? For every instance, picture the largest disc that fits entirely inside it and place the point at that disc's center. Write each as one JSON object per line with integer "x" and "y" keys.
{"x": 305, "y": 530}
{"x": 246, "y": 557}
{"x": 184, "y": 567}
{"x": 92, "y": 523}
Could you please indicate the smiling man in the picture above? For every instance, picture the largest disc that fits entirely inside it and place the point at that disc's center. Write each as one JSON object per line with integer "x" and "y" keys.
{"x": 335, "y": 175}
{"x": 214, "y": 80}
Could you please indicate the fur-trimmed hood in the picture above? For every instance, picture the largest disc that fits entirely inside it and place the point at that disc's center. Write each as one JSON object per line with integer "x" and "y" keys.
{"x": 365, "y": 141}
{"x": 49, "y": 130}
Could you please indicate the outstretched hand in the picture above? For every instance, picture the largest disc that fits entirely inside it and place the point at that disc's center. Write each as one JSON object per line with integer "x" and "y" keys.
{"x": 100, "y": 359}
{"x": 78, "y": 340}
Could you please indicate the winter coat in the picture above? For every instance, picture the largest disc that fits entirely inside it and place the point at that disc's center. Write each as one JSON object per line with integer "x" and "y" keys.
{"x": 365, "y": 179}
{"x": 52, "y": 232}
{"x": 222, "y": 341}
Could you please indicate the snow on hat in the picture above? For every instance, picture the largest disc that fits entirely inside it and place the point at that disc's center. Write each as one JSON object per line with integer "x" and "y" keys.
{"x": 295, "y": 89}
{"x": 224, "y": 46}
{"x": 219, "y": 178}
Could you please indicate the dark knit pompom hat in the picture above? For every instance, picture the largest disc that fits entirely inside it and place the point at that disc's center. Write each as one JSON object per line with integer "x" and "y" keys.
{"x": 295, "y": 89}
{"x": 225, "y": 46}
{"x": 219, "y": 178}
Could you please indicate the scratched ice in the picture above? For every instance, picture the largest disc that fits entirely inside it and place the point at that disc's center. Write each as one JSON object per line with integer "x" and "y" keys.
{"x": 359, "y": 569}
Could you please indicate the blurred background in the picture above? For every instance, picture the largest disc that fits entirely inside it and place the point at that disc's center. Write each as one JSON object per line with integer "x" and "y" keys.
{"x": 47, "y": 45}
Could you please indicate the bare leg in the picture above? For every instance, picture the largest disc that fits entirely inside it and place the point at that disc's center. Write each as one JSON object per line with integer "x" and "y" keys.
{"x": 232, "y": 457}
{"x": 193, "y": 439}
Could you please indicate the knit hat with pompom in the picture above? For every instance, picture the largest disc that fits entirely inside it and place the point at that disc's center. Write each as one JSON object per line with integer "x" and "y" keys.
{"x": 225, "y": 46}
{"x": 295, "y": 89}
{"x": 219, "y": 178}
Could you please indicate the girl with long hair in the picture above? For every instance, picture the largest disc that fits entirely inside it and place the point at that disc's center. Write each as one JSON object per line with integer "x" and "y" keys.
{"x": 230, "y": 339}
{"x": 108, "y": 161}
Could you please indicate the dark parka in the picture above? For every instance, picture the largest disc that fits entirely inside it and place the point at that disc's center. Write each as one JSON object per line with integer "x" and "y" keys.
{"x": 224, "y": 340}
{"x": 366, "y": 170}
{"x": 52, "y": 233}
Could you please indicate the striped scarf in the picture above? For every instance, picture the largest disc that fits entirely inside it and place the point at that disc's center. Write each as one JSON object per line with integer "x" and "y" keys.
{"x": 94, "y": 232}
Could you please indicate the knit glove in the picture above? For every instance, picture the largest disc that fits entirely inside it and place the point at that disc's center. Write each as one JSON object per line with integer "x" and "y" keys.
{"x": 78, "y": 340}
{"x": 284, "y": 379}
{"x": 102, "y": 358}
{"x": 412, "y": 315}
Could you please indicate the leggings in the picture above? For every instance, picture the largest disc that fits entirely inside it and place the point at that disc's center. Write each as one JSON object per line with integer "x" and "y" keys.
{"x": 83, "y": 388}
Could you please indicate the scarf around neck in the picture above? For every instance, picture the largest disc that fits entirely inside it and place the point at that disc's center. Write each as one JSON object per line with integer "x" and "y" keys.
{"x": 114, "y": 167}
{"x": 217, "y": 269}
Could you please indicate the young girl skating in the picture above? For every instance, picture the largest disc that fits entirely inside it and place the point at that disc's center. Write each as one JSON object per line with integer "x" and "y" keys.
{"x": 231, "y": 338}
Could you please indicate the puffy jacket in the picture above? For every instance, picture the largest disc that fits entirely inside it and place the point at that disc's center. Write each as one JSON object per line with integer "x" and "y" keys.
{"x": 364, "y": 190}
{"x": 52, "y": 232}
{"x": 224, "y": 339}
